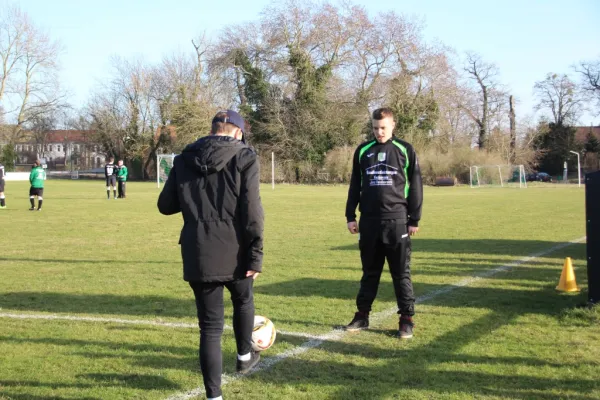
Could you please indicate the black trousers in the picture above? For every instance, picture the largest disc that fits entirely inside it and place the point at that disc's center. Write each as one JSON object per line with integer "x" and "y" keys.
{"x": 381, "y": 240}
{"x": 209, "y": 302}
{"x": 121, "y": 186}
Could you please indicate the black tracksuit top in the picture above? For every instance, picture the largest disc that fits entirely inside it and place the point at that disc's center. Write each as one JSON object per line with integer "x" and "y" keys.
{"x": 214, "y": 183}
{"x": 386, "y": 182}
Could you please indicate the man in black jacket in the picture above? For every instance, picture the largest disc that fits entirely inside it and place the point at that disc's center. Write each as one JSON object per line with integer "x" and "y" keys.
{"x": 214, "y": 183}
{"x": 386, "y": 182}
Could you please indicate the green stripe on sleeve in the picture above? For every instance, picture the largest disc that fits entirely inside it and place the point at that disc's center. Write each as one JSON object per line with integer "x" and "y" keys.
{"x": 405, "y": 152}
{"x": 364, "y": 149}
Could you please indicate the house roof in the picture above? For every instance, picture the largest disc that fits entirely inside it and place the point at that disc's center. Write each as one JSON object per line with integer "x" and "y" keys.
{"x": 60, "y": 136}
{"x": 57, "y": 136}
{"x": 581, "y": 132}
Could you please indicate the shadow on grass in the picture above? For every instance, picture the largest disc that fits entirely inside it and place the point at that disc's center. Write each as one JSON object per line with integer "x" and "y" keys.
{"x": 137, "y": 381}
{"x": 466, "y": 296}
{"x": 67, "y": 261}
{"x": 98, "y": 304}
{"x": 514, "y": 248}
{"x": 437, "y": 368}
{"x": 21, "y": 396}
{"x": 440, "y": 368}
{"x": 133, "y": 381}
{"x": 155, "y": 356}
{"x": 304, "y": 288}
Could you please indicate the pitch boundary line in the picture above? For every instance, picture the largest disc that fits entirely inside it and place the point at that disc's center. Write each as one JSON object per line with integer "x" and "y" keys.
{"x": 58, "y": 317}
{"x": 337, "y": 334}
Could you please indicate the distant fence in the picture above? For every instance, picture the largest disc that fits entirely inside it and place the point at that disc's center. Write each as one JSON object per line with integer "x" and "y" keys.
{"x": 90, "y": 174}
{"x": 17, "y": 176}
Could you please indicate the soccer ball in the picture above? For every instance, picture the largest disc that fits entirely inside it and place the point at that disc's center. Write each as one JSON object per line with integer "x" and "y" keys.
{"x": 263, "y": 334}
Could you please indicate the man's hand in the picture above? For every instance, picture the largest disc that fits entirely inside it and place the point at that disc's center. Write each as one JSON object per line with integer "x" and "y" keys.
{"x": 253, "y": 274}
{"x": 412, "y": 230}
{"x": 353, "y": 227}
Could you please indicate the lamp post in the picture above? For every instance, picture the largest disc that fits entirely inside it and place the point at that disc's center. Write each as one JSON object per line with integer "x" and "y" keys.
{"x": 578, "y": 168}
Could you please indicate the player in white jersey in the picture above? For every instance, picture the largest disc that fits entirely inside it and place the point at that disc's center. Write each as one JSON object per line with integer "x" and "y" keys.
{"x": 110, "y": 173}
{"x": 2, "y": 198}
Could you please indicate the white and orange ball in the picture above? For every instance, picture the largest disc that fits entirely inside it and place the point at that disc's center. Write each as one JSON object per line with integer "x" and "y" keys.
{"x": 263, "y": 334}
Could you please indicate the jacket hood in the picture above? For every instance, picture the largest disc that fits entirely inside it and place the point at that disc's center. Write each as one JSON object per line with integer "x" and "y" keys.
{"x": 211, "y": 153}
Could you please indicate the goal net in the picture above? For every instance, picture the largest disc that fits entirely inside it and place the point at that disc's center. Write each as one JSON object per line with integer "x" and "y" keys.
{"x": 164, "y": 163}
{"x": 497, "y": 175}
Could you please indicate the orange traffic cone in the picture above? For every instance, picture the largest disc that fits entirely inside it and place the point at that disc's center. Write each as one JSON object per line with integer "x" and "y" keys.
{"x": 567, "y": 278}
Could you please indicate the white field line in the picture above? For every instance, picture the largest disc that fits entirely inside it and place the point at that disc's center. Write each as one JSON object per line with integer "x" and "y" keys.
{"x": 132, "y": 322}
{"x": 337, "y": 334}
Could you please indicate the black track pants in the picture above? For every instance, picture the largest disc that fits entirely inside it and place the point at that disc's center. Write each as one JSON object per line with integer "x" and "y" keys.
{"x": 121, "y": 186}
{"x": 209, "y": 302}
{"x": 381, "y": 239}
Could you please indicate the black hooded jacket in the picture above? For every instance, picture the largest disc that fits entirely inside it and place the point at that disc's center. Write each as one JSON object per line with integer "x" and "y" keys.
{"x": 214, "y": 183}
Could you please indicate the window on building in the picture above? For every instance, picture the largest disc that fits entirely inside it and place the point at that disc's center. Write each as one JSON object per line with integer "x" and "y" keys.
{"x": 58, "y": 148}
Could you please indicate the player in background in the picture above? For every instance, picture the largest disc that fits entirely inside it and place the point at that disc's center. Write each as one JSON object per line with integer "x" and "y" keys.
{"x": 122, "y": 178}
{"x": 37, "y": 178}
{"x": 110, "y": 173}
{"x": 386, "y": 182}
{"x": 2, "y": 198}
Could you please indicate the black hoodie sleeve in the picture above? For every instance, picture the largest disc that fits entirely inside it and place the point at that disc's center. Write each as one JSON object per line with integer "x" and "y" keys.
{"x": 415, "y": 194}
{"x": 168, "y": 200}
{"x": 354, "y": 190}
{"x": 252, "y": 216}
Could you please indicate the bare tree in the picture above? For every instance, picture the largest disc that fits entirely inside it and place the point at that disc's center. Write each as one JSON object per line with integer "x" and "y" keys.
{"x": 13, "y": 29}
{"x": 122, "y": 111}
{"x": 484, "y": 75}
{"x": 513, "y": 128}
{"x": 40, "y": 127}
{"x": 28, "y": 82}
{"x": 590, "y": 75}
{"x": 561, "y": 96}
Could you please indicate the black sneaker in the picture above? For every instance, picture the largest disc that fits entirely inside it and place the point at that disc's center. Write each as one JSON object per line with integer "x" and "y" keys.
{"x": 360, "y": 322}
{"x": 32, "y": 209}
{"x": 243, "y": 367}
{"x": 39, "y": 209}
{"x": 406, "y": 328}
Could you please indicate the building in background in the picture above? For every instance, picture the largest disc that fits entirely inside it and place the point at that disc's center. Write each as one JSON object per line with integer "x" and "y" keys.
{"x": 63, "y": 150}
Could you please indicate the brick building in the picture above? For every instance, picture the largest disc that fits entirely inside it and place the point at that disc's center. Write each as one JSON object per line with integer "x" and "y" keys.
{"x": 62, "y": 149}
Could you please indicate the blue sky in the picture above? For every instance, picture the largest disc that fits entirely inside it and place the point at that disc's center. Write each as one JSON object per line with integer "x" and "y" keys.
{"x": 526, "y": 39}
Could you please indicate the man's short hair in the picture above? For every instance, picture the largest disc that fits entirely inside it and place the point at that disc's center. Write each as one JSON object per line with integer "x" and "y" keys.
{"x": 38, "y": 163}
{"x": 382, "y": 113}
{"x": 111, "y": 159}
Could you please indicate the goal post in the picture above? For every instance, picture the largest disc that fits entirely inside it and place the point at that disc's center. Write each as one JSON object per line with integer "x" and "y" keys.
{"x": 164, "y": 163}
{"x": 497, "y": 176}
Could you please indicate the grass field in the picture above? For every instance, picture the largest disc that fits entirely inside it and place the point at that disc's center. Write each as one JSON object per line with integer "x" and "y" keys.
{"x": 506, "y": 335}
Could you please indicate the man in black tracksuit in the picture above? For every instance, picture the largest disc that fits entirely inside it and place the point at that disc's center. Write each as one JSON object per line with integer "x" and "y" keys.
{"x": 214, "y": 183}
{"x": 386, "y": 182}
